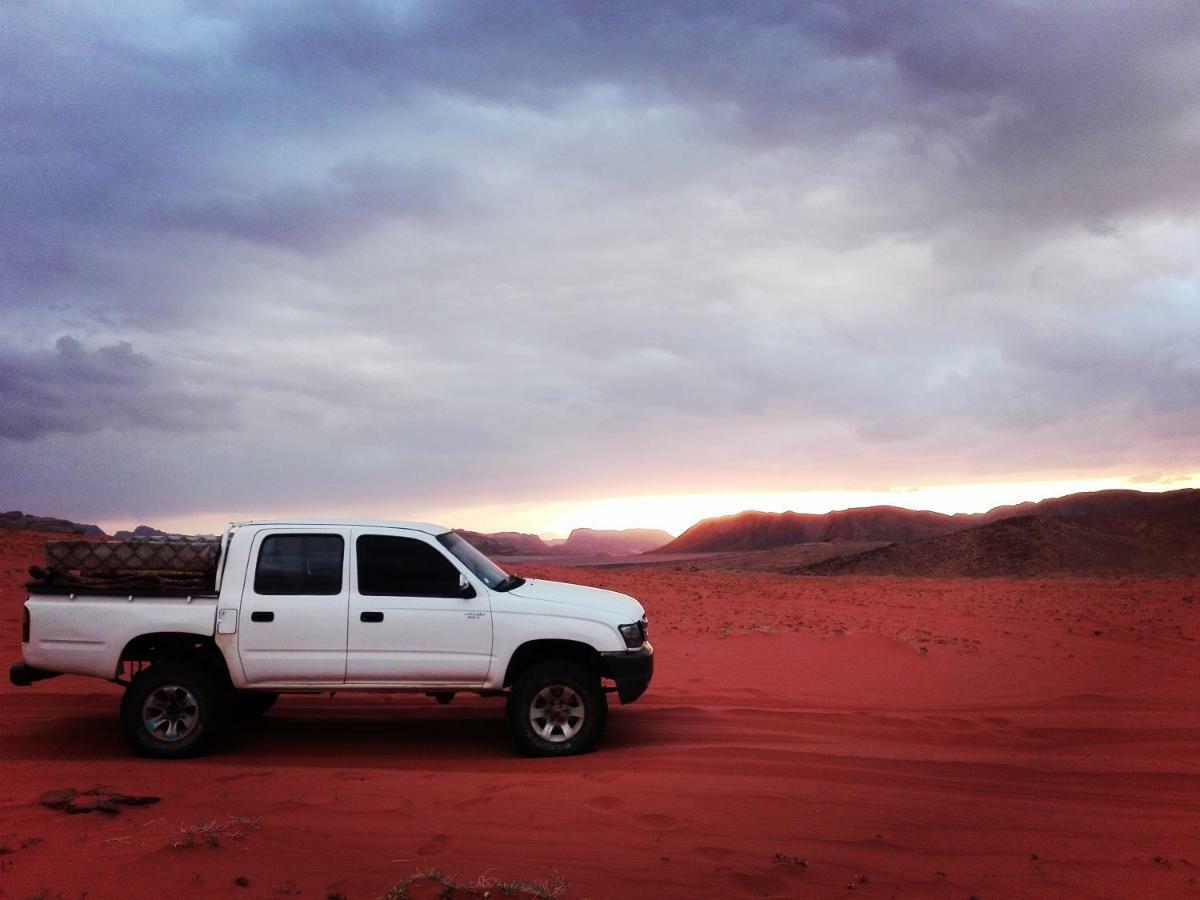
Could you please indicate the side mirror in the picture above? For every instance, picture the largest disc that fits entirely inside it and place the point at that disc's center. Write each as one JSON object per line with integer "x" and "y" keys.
{"x": 465, "y": 587}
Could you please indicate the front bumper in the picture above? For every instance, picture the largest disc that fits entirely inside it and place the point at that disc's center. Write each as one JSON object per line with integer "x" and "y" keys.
{"x": 631, "y": 670}
{"x": 23, "y": 676}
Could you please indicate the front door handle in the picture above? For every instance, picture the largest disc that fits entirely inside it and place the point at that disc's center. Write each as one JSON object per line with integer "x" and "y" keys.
{"x": 371, "y": 617}
{"x": 262, "y": 616}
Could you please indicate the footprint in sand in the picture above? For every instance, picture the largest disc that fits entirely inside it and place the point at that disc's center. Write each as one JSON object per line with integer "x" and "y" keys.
{"x": 601, "y": 777}
{"x": 604, "y": 803}
{"x": 759, "y": 885}
{"x": 952, "y": 721}
{"x": 434, "y": 845}
{"x": 508, "y": 786}
{"x": 658, "y": 821}
{"x": 477, "y": 801}
{"x": 716, "y": 854}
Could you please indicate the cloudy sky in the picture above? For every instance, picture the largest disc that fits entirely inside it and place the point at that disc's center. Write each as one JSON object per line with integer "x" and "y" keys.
{"x": 540, "y": 265}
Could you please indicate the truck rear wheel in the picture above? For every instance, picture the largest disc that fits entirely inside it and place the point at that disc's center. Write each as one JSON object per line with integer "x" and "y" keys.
{"x": 170, "y": 711}
{"x": 557, "y": 708}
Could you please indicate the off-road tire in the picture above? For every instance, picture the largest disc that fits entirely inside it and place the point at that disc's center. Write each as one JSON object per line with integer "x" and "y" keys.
{"x": 249, "y": 705}
{"x": 195, "y": 700}
{"x": 570, "y": 686}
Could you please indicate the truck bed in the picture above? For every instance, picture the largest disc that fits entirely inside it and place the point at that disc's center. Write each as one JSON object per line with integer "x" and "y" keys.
{"x": 85, "y": 634}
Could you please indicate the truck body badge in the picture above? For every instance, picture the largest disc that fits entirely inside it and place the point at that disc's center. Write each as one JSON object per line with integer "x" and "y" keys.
{"x": 474, "y": 614}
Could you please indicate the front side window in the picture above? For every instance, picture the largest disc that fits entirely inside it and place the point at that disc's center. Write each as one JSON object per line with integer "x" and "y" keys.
{"x": 299, "y": 564}
{"x": 483, "y": 568}
{"x": 403, "y": 567}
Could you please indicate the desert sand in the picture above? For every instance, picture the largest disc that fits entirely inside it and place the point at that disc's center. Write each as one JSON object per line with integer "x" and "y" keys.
{"x": 803, "y": 737}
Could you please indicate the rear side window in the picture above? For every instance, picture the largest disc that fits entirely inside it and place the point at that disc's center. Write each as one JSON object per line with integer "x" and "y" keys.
{"x": 403, "y": 567}
{"x": 299, "y": 564}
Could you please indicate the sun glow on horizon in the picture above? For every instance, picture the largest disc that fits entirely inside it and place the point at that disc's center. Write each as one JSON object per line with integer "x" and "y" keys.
{"x": 676, "y": 513}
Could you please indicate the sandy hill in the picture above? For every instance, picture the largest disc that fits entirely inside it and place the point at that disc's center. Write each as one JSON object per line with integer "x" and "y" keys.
{"x": 591, "y": 541}
{"x": 1024, "y": 546}
{"x": 762, "y": 530}
{"x": 1162, "y": 516}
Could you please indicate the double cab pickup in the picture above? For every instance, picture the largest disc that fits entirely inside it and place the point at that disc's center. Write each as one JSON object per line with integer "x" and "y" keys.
{"x": 315, "y": 606}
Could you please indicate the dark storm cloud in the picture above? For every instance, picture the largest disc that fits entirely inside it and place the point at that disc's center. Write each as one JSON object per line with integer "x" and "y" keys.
{"x": 1029, "y": 103}
{"x": 76, "y": 390}
{"x": 505, "y": 247}
{"x": 350, "y": 199}
{"x": 1008, "y": 108}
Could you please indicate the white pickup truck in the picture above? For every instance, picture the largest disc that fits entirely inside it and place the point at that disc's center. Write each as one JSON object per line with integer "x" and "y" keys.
{"x": 314, "y": 606}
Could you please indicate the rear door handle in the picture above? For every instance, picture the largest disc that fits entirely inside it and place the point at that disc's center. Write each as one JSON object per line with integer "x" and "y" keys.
{"x": 371, "y": 617}
{"x": 262, "y": 616}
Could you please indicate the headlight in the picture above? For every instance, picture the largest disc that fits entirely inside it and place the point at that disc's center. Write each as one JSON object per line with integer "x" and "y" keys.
{"x": 634, "y": 634}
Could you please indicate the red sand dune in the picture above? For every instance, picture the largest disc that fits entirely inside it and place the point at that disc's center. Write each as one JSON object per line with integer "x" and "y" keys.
{"x": 1026, "y": 546}
{"x": 754, "y": 530}
{"x": 905, "y": 738}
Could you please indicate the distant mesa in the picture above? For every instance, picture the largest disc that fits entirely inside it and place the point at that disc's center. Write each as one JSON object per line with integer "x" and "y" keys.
{"x": 146, "y": 532}
{"x": 15, "y": 520}
{"x": 142, "y": 531}
{"x": 506, "y": 543}
{"x": 581, "y": 542}
{"x": 625, "y": 542}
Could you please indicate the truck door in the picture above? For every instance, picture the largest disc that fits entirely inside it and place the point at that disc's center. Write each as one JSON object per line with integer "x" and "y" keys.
{"x": 293, "y": 617}
{"x": 410, "y": 622}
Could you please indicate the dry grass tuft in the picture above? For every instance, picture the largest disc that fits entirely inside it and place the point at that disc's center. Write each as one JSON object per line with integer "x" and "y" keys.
{"x": 484, "y": 886}
{"x": 784, "y": 860}
{"x": 211, "y": 832}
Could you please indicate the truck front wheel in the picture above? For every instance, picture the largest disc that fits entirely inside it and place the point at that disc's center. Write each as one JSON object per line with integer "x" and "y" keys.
{"x": 169, "y": 711}
{"x": 557, "y": 708}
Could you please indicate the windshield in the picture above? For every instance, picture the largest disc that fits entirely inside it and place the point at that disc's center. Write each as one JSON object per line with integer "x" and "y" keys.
{"x": 482, "y": 567}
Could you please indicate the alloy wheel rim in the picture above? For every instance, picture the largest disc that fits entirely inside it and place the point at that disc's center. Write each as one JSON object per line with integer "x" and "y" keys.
{"x": 557, "y": 713}
{"x": 170, "y": 713}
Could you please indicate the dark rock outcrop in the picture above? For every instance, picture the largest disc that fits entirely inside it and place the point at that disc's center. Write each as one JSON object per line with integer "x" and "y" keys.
{"x": 15, "y": 520}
